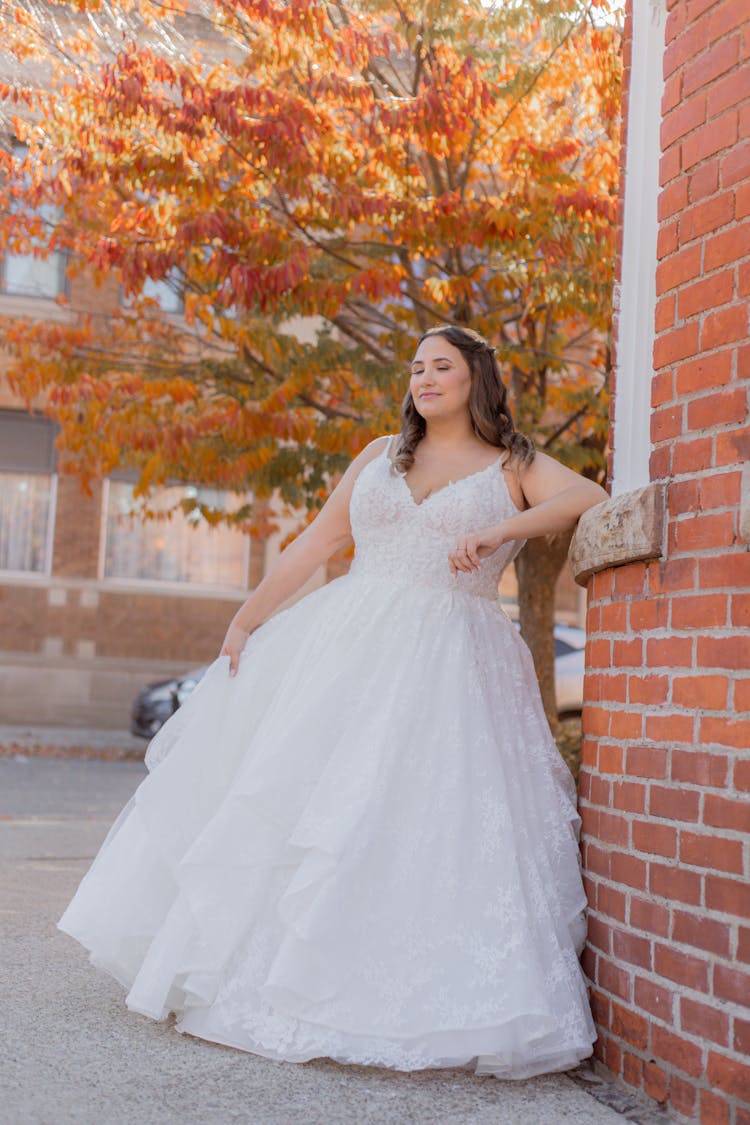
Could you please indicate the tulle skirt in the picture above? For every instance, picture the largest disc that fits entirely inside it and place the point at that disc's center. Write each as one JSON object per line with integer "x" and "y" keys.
{"x": 362, "y": 847}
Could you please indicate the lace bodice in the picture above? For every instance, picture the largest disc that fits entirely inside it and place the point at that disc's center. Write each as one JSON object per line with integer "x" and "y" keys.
{"x": 401, "y": 541}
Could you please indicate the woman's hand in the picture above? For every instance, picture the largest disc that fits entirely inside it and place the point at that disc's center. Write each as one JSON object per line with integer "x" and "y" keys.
{"x": 470, "y": 549}
{"x": 234, "y": 642}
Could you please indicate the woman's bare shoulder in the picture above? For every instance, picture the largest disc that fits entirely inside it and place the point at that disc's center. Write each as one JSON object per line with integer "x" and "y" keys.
{"x": 371, "y": 452}
{"x": 545, "y": 477}
{"x": 524, "y": 464}
{"x": 343, "y": 489}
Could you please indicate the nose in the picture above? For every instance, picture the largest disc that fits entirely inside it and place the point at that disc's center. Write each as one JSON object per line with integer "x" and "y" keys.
{"x": 423, "y": 380}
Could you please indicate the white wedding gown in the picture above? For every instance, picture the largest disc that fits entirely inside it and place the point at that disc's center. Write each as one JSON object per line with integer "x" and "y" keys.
{"x": 363, "y": 846}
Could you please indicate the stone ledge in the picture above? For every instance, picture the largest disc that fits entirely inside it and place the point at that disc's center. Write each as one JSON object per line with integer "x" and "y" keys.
{"x": 627, "y": 529}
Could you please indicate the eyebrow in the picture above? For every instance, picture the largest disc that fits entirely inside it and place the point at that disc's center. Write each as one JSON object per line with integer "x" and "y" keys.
{"x": 439, "y": 359}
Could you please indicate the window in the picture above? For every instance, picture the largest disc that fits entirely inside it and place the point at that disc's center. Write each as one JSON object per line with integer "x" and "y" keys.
{"x": 30, "y": 276}
{"x": 184, "y": 548}
{"x": 27, "y": 492}
{"x": 167, "y": 292}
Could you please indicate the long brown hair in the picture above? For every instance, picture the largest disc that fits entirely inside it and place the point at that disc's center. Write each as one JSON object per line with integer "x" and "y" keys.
{"x": 490, "y": 414}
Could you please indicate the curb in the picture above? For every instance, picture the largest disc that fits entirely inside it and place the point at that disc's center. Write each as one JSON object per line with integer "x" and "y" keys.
{"x": 66, "y": 742}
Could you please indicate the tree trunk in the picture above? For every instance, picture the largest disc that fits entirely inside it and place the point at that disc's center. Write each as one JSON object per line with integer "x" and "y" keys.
{"x": 537, "y": 568}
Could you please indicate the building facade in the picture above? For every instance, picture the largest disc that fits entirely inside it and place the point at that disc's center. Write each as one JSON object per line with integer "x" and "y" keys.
{"x": 94, "y": 604}
{"x": 665, "y": 777}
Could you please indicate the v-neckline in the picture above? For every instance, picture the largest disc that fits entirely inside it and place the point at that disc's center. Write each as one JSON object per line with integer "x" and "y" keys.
{"x": 445, "y": 487}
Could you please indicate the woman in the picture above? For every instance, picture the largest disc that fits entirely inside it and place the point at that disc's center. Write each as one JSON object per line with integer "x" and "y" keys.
{"x": 357, "y": 838}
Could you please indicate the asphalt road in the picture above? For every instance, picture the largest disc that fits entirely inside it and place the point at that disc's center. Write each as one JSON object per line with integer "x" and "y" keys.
{"x": 73, "y": 1054}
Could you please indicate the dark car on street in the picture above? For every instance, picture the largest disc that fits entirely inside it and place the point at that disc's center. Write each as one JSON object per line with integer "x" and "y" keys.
{"x": 156, "y": 702}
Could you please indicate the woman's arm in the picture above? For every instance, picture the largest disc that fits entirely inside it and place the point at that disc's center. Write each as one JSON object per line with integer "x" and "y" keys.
{"x": 329, "y": 531}
{"x": 557, "y": 496}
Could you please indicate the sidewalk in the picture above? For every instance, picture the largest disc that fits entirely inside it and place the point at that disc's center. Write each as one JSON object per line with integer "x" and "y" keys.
{"x": 70, "y": 742}
{"x": 75, "y": 1055}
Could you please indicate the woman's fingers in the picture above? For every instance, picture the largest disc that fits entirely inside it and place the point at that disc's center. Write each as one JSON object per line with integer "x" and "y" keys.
{"x": 469, "y": 552}
{"x": 234, "y": 657}
{"x": 472, "y": 549}
{"x": 465, "y": 556}
{"x": 234, "y": 643}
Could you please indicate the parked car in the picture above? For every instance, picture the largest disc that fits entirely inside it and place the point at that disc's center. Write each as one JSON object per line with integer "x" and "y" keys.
{"x": 570, "y": 643}
{"x": 155, "y": 703}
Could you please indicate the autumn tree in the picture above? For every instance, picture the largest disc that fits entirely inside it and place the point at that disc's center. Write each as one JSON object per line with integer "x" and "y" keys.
{"x": 320, "y": 183}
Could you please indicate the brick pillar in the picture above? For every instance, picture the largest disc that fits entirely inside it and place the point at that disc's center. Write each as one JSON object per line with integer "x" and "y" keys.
{"x": 665, "y": 779}
{"x": 75, "y": 553}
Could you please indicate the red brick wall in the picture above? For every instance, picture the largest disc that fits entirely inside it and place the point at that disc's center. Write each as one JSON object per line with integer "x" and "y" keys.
{"x": 665, "y": 781}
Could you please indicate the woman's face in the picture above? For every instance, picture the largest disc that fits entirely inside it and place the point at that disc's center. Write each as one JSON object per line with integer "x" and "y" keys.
{"x": 440, "y": 379}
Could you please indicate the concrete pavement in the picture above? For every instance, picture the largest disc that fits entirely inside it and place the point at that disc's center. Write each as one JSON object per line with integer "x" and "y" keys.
{"x": 74, "y": 1055}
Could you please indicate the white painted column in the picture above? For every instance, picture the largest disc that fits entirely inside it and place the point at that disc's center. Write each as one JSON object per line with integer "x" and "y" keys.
{"x": 635, "y": 297}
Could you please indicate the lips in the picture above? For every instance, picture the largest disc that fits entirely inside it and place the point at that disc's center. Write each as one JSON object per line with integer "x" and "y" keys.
{"x": 429, "y": 394}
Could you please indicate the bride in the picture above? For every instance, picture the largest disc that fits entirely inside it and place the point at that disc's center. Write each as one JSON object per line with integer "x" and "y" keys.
{"x": 357, "y": 839}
